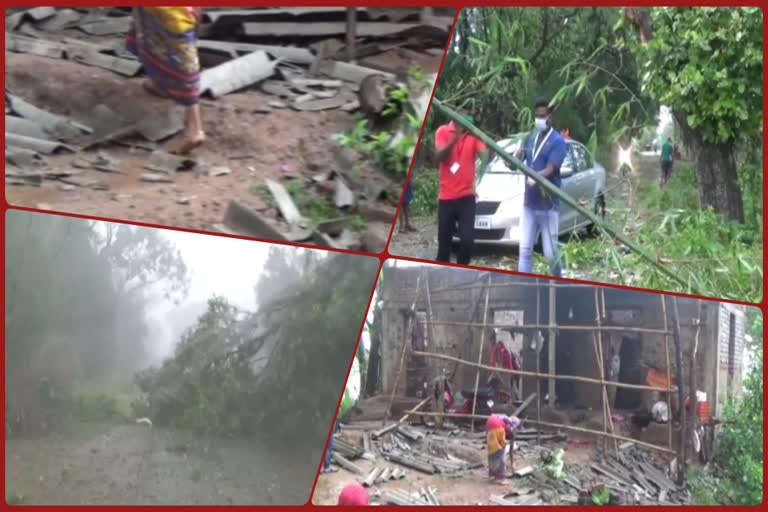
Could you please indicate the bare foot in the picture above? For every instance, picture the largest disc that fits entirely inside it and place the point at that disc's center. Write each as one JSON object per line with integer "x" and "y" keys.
{"x": 188, "y": 144}
{"x": 152, "y": 89}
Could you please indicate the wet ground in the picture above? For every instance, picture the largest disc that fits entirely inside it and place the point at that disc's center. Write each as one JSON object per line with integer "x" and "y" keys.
{"x": 245, "y": 134}
{"x": 422, "y": 243}
{"x": 137, "y": 465}
{"x": 470, "y": 488}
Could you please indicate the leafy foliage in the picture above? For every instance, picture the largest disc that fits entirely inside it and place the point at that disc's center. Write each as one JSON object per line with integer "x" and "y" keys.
{"x": 708, "y": 63}
{"x": 390, "y": 149}
{"x": 78, "y": 289}
{"x": 721, "y": 259}
{"x": 240, "y": 373}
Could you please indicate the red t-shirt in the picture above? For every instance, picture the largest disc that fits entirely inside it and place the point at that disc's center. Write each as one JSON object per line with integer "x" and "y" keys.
{"x": 457, "y": 172}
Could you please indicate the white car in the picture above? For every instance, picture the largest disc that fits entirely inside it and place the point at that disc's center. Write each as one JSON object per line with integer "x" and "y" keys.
{"x": 500, "y": 194}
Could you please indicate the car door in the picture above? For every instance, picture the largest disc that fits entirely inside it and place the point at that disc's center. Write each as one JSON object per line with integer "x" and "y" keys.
{"x": 568, "y": 173}
{"x": 578, "y": 185}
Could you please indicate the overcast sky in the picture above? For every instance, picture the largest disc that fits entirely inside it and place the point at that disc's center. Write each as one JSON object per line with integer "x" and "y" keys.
{"x": 216, "y": 266}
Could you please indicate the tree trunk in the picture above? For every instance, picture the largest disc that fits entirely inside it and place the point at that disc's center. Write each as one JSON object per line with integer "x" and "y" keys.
{"x": 716, "y": 172}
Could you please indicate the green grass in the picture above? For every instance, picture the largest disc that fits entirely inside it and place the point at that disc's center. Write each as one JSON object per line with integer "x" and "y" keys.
{"x": 716, "y": 257}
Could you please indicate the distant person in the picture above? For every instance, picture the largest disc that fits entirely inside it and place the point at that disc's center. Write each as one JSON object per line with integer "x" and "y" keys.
{"x": 501, "y": 357}
{"x": 496, "y": 429}
{"x": 456, "y": 153}
{"x": 353, "y": 495}
{"x": 543, "y": 151}
{"x": 327, "y": 468}
{"x": 667, "y": 157}
{"x": 165, "y": 41}
{"x": 405, "y": 211}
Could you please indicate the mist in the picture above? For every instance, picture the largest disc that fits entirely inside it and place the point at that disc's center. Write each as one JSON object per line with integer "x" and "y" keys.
{"x": 149, "y": 366}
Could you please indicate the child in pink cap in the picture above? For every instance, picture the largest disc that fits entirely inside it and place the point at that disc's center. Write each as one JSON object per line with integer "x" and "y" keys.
{"x": 353, "y": 495}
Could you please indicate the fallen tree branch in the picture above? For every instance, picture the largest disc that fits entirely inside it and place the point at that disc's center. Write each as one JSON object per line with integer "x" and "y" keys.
{"x": 550, "y": 188}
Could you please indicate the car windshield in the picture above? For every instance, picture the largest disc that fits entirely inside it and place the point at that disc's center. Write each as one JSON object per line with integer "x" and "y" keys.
{"x": 499, "y": 166}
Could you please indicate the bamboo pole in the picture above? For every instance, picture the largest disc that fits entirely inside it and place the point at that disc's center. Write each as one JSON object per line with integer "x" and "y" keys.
{"x": 515, "y": 284}
{"x": 547, "y": 186}
{"x": 669, "y": 370}
{"x": 558, "y": 425}
{"x": 524, "y": 373}
{"x": 551, "y": 344}
{"x": 480, "y": 354}
{"x": 430, "y": 339}
{"x": 351, "y": 33}
{"x": 680, "y": 394}
{"x": 538, "y": 359}
{"x": 408, "y": 336}
{"x": 597, "y": 340}
{"x": 514, "y": 327}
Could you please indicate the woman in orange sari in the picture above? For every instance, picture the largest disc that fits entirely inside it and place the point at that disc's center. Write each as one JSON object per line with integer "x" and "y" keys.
{"x": 165, "y": 41}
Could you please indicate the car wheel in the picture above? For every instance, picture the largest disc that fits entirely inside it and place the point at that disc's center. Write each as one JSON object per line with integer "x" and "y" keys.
{"x": 598, "y": 209}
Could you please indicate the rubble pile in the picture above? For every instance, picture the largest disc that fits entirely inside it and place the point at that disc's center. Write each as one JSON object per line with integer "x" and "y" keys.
{"x": 295, "y": 57}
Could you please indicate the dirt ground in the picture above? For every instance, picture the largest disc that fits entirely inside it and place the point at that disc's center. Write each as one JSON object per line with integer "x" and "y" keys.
{"x": 244, "y": 134}
{"x": 471, "y": 488}
{"x": 423, "y": 242}
{"x": 96, "y": 464}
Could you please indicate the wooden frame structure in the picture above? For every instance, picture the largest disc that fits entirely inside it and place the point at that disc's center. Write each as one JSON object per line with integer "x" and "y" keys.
{"x": 597, "y": 330}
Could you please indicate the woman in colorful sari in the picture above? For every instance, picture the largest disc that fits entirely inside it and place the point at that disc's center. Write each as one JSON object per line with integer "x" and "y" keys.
{"x": 496, "y": 443}
{"x": 165, "y": 41}
{"x": 497, "y": 428}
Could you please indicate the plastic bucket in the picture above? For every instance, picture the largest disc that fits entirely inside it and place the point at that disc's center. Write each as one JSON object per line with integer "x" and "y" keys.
{"x": 703, "y": 410}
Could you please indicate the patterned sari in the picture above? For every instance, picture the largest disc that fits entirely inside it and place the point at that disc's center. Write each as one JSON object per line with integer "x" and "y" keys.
{"x": 165, "y": 41}
{"x": 496, "y": 443}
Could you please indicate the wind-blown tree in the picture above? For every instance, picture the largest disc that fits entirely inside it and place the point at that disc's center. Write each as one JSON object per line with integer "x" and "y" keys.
{"x": 69, "y": 319}
{"x": 310, "y": 308}
{"x": 706, "y": 64}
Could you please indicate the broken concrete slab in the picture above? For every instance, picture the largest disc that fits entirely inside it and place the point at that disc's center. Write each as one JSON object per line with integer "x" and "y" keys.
{"x": 285, "y": 204}
{"x": 350, "y": 72}
{"x": 92, "y": 56}
{"x": 22, "y": 157}
{"x": 166, "y": 163}
{"x": 347, "y": 464}
{"x": 237, "y": 74}
{"x": 310, "y": 103}
{"x": 325, "y": 29}
{"x": 243, "y": 221}
{"x": 64, "y": 18}
{"x": 163, "y": 126}
{"x": 82, "y": 182}
{"x": 43, "y": 146}
{"x": 101, "y": 161}
{"x": 283, "y": 53}
{"x": 156, "y": 178}
{"x": 527, "y": 470}
{"x": 40, "y": 47}
{"x": 21, "y": 126}
{"x": 40, "y": 13}
{"x": 106, "y": 26}
{"x": 49, "y": 122}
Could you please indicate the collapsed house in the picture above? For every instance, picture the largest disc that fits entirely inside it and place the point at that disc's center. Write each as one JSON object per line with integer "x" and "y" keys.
{"x": 670, "y": 350}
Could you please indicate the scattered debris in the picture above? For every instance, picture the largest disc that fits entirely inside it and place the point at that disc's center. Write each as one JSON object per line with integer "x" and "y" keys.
{"x": 166, "y": 163}
{"x": 219, "y": 170}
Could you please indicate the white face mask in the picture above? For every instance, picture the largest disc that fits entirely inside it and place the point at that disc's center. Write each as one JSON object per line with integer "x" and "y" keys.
{"x": 541, "y": 123}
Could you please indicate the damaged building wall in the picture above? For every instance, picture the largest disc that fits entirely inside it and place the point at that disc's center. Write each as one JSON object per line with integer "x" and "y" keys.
{"x": 575, "y": 350}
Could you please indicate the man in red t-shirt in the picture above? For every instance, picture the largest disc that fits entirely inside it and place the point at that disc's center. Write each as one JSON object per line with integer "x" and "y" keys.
{"x": 456, "y": 153}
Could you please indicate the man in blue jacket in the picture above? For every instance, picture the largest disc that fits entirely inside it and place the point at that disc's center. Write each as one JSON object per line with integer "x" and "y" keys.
{"x": 544, "y": 151}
